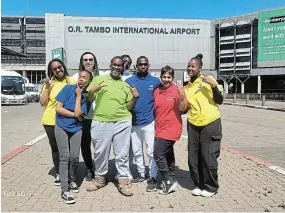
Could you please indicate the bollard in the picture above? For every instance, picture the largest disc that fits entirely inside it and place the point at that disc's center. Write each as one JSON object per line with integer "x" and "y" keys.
{"x": 263, "y": 100}
{"x": 247, "y": 99}
{"x": 235, "y": 97}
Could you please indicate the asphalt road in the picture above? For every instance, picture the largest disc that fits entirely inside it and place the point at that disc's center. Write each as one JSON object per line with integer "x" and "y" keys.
{"x": 255, "y": 131}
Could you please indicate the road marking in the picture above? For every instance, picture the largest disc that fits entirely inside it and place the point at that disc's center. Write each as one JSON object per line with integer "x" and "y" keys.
{"x": 20, "y": 149}
{"x": 267, "y": 164}
{"x": 275, "y": 118}
{"x": 278, "y": 169}
{"x": 37, "y": 139}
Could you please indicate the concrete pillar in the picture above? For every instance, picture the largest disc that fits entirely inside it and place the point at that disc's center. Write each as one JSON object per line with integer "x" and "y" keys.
{"x": 247, "y": 99}
{"x": 25, "y": 73}
{"x": 235, "y": 97}
{"x": 226, "y": 86}
{"x": 263, "y": 100}
{"x": 242, "y": 88}
{"x": 258, "y": 84}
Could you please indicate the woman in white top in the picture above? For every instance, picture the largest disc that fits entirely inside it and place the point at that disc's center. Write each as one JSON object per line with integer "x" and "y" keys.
{"x": 87, "y": 62}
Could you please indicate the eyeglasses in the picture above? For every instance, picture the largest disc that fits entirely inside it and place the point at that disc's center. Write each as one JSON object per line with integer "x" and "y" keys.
{"x": 88, "y": 59}
{"x": 118, "y": 65}
{"x": 142, "y": 64}
{"x": 56, "y": 68}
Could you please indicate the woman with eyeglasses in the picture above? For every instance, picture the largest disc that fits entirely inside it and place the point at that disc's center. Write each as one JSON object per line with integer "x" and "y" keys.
{"x": 169, "y": 104}
{"x": 204, "y": 129}
{"x": 57, "y": 77}
{"x": 89, "y": 63}
{"x": 71, "y": 107}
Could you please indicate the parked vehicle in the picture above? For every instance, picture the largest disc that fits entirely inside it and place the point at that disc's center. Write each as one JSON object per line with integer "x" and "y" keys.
{"x": 12, "y": 88}
{"x": 32, "y": 92}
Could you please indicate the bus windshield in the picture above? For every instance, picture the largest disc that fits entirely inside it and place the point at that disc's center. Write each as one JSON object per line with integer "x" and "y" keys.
{"x": 12, "y": 85}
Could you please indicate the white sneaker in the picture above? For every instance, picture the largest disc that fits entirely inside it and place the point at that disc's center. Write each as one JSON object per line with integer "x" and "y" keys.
{"x": 205, "y": 193}
{"x": 196, "y": 191}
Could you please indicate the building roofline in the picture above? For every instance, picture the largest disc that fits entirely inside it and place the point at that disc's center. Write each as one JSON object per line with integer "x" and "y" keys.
{"x": 246, "y": 16}
{"x": 17, "y": 16}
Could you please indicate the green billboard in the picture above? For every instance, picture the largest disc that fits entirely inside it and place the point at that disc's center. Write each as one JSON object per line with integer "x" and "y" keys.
{"x": 271, "y": 35}
{"x": 59, "y": 53}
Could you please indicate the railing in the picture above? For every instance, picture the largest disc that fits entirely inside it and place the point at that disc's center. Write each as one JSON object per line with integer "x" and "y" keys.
{"x": 256, "y": 96}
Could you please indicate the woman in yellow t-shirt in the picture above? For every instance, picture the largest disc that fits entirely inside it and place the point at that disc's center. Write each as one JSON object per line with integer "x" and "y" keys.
{"x": 204, "y": 129}
{"x": 57, "y": 78}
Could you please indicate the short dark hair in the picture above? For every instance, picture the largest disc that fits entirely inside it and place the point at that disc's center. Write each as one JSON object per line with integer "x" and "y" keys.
{"x": 116, "y": 57}
{"x": 167, "y": 69}
{"x": 90, "y": 74}
{"x": 95, "y": 67}
{"x": 198, "y": 58}
{"x": 141, "y": 57}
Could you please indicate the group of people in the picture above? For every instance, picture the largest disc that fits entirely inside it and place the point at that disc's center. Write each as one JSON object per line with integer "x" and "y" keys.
{"x": 130, "y": 110}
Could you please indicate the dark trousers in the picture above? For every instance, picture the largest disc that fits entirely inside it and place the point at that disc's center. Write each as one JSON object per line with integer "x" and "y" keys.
{"x": 164, "y": 157}
{"x": 204, "y": 145}
{"x": 54, "y": 149}
{"x": 86, "y": 144}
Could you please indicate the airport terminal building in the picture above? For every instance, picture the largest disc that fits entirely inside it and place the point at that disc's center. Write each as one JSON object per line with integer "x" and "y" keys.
{"x": 247, "y": 52}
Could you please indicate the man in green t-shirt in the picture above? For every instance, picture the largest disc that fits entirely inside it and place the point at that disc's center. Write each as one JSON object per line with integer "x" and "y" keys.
{"x": 112, "y": 122}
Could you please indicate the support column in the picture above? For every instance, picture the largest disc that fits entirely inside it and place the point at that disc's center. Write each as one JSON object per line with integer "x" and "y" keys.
{"x": 226, "y": 86}
{"x": 242, "y": 87}
{"x": 25, "y": 73}
{"x": 258, "y": 84}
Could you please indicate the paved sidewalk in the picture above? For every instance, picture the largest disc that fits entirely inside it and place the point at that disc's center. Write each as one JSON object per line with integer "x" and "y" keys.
{"x": 245, "y": 186}
{"x": 270, "y": 105}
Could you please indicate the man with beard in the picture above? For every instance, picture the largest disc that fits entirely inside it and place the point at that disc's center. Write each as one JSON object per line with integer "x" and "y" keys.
{"x": 88, "y": 62}
{"x": 112, "y": 122}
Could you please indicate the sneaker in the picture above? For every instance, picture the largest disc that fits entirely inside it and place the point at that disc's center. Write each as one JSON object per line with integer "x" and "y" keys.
{"x": 196, "y": 191}
{"x": 138, "y": 180}
{"x": 175, "y": 180}
{"x": 90, "y": 175}
{"x": 151, "y": 185}
{"x": 167, "y": 186}
{"x": 73, "y": 187}
{"x": 57, "y": 180}
{"x": 205, "y": 193}
{"x": 67, "y": 198}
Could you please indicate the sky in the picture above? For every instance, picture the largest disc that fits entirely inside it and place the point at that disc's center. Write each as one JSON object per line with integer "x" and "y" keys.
{"x": 196, "y": 9}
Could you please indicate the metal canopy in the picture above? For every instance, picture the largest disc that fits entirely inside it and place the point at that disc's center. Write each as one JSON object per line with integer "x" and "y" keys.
{"x": 7, "y": 51}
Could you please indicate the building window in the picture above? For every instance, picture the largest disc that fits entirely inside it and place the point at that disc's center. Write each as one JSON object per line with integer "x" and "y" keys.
{"x": 36, "y": 77}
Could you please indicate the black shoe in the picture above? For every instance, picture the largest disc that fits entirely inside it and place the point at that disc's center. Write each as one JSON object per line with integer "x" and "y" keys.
{"x": 90, "y": 175}
{"x": 67, "y": 198}
{"x": 138, "y": 180}
{"x": 175, "y": 180}
{"x": 57, "y": 180}
{"x": 73, "y": 187}
{"x": 167, "y": 186}
{"x": 151, "y": 185}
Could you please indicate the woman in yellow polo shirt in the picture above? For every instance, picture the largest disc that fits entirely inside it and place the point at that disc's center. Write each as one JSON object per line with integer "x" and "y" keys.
{"x": 204, "y": 129}
{"x": 57, "y": 78}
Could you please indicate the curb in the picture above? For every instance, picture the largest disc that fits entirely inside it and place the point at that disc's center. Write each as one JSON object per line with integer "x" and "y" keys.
{"x": 251, "y": 157}
{"x": 255, "y": 106}
{"x": 20, "y": 149}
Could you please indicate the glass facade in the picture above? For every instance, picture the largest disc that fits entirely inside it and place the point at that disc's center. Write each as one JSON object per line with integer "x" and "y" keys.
{"x": 24, "y": 35}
